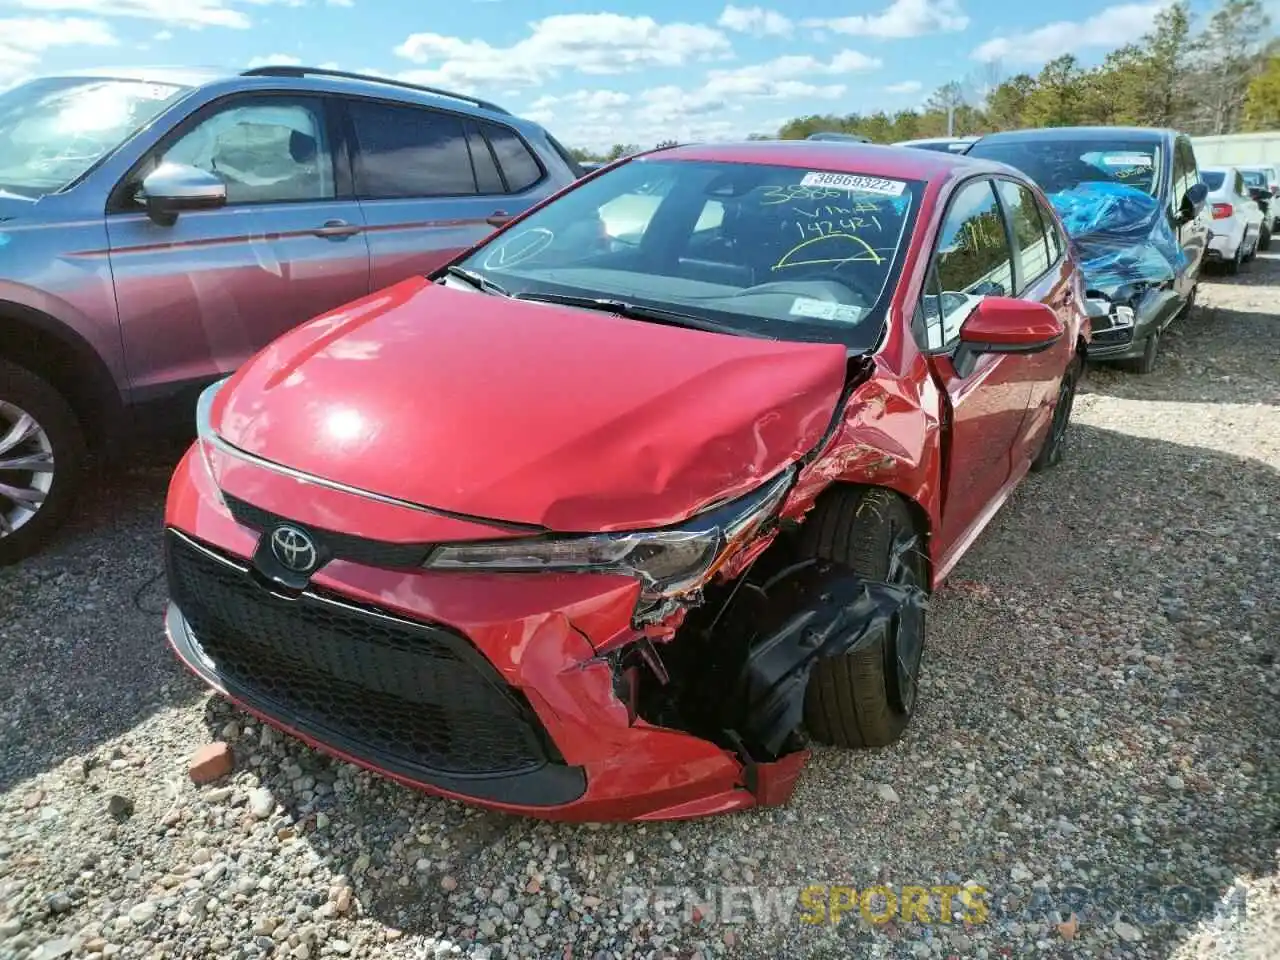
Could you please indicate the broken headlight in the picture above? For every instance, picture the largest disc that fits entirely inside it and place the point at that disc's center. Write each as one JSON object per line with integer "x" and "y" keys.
{"x": 667, "y": 562}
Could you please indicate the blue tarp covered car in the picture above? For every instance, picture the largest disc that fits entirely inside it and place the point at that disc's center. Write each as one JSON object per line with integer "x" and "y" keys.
{"x": 1132, "y": 204}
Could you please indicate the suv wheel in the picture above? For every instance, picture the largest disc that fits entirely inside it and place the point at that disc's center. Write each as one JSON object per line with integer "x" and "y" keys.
{"x": 867, "y": 698}
{"x": 42, "y": 455}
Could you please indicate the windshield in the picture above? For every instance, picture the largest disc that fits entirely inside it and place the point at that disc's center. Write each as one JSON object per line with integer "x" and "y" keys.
{"x": 53, "y": 130}
{"x": 1060, "y": 165}
{"x": 1212, "y": 178}
{"x": 766, "y": 250}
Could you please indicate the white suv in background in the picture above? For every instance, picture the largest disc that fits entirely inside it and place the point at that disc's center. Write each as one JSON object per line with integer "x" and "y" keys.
{"x": 1237, "y": 218}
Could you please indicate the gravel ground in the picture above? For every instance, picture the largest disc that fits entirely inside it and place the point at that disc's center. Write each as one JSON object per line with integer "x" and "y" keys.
{"x": 1096, "y": 751}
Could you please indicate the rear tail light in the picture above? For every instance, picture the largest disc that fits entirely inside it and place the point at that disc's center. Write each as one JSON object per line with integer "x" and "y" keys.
{"x": 1222, "y": 210}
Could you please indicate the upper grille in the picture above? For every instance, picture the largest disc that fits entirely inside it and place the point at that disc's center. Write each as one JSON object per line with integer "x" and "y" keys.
{"x": 410, "y": 697}
{"x": 344, "y": 546}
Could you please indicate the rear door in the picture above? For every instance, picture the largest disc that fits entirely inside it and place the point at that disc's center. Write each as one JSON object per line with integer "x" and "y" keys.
{"x": 988, "y": 401}
{"x": 198, "y": 298}
{"x": 431, "y": 183}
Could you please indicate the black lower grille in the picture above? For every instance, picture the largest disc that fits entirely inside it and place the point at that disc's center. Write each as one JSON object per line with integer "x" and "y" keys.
{"x": 414, "y": 698}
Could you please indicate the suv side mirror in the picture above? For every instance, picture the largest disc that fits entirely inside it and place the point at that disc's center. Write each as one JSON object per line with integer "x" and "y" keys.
{"x": 1192, "y": 202}
{"x": 172, "y": 188}
{"x": 1005, "y": 325}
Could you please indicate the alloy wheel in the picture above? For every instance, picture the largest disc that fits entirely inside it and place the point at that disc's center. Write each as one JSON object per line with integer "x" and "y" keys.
{"x": 26, "y": 467}
{"x": 1062, "y": 412}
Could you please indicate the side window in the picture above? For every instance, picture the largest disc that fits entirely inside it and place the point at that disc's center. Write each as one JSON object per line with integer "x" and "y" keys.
{"x": 1053, "y": 233}
{"x": 518, "y": 165}
{"x": 409, "y": 152}
{"x": 1240, "y": 191}
{"x": 488, "y": 180}
{"x": 264, "y": 150}
{"x": 972, "y": 261}
{"x": 1028, "y": 232}
{"x": 1179, "y": 179}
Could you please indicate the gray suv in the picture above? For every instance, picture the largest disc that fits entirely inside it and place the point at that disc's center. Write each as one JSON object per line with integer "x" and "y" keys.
{"x": 157, "y": 228}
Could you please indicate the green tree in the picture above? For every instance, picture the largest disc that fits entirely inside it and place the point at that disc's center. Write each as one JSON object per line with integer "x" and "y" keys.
{"x": 1228, "y": 54}
{"x": 620, "y": 150}
{"x": 1163, "y": 97}
{"x": 1008, "y": 101}
{"x": 1058, "y": 96}
{"x": 1262, "y": 99}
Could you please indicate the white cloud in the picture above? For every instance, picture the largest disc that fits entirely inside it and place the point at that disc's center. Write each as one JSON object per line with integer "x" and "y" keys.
{"x": 756, "y": 21}
{"x": 185, "y": 13}
{"x": 1113, "y": 27}
{"x": 275, "y": 60}
{"x": 162, "y": 36}
{"x": 341, "y": 3}
{"x": 24, "y": 39}
{"x": 902, "y": 18}
{"x": 906, "y": 86}
{"x": 592, "y": 43}
{"x": 721, "y": 108}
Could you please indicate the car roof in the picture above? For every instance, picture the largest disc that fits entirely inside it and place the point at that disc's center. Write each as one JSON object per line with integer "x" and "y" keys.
{"x": 871, "y": 159}
{"x": 1154, "y": 134}
{"x": 313, "y": 78}
{"x": 907, "y": 143}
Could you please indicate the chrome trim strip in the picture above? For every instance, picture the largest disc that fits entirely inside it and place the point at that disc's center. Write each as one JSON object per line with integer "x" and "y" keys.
{"x": 206, "y": 433}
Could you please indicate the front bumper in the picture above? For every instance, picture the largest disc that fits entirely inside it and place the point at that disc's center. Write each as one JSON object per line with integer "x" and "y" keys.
{"x": 493, "y": 689}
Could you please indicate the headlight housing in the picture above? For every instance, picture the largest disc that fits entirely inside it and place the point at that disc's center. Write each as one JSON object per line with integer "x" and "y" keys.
{"x": 205, "y": 436}
{"x": 667, "y": 562}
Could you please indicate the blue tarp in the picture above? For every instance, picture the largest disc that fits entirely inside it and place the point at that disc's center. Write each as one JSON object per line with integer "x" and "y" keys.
{"x": 1122, "y": 233}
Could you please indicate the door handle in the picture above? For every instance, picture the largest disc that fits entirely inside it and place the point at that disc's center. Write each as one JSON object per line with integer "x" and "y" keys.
{"x": 498, "y": 218}
{"x": 336, "y": 228}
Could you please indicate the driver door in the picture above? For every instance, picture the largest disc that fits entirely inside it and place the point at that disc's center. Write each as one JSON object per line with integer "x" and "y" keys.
{"x": 988, "y": 400}
{"x": 199, "y": 297}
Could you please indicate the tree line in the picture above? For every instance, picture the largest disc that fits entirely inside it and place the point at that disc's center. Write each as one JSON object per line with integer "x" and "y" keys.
{"x": 1219, "y": 77}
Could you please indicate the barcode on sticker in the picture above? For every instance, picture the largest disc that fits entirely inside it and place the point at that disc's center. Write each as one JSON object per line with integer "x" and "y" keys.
{"x": 855, "y": 182}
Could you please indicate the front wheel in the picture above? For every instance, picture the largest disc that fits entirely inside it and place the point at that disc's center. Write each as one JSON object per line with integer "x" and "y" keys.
{"x": 42, "y": 455}
{"x": 1150, "y": 350}
{"x": 1264, "y": 242}
{"x": 867, "y": 698}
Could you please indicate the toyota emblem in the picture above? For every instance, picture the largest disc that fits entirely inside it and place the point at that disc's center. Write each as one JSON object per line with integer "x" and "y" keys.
{"x": 294, "y": 549}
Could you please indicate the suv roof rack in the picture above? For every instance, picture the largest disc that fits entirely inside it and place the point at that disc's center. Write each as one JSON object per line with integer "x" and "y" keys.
{"x": 292, "y": 71}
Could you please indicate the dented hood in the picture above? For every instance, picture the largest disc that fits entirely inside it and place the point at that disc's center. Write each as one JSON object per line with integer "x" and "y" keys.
{"x": 535, "y": 413}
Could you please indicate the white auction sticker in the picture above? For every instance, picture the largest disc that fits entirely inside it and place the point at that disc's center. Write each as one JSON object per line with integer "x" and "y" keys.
{"x": 823, "y": 310}
{"x": 1127, "y": 160}
{"x": 854, "y": 182}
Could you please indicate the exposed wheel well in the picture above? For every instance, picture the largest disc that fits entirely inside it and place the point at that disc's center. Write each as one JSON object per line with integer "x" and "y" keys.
{"x": 67, "y": 363}
{"x": 919, "y": 516}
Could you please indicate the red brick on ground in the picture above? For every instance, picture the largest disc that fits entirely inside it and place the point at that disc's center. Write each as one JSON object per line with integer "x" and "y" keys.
{"x": 211, "y": 762}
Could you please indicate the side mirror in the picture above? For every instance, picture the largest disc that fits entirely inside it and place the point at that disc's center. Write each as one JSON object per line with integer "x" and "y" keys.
{"x": 1193, "y": 202}
{"x": 1260, "y": 194}
{"x": 1005, "y": 325}
{"x": 172, "y": 188}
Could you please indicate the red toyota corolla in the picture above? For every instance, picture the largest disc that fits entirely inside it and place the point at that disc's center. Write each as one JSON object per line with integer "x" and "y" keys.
{"x": 635, "y": 499}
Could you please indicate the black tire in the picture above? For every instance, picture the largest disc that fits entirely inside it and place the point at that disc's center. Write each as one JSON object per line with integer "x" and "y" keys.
{"x": 1150, "y": 351}
{"x": 1050, "y": 454}
{"x": 1233, "y": 265}
{"x": 863, "y": 699}
{"x": 1264, "y": 242}
{"x": 22, "y": 389}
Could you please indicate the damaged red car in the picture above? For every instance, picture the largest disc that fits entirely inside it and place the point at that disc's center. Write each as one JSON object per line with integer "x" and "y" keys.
{"x": 623, "y": 509}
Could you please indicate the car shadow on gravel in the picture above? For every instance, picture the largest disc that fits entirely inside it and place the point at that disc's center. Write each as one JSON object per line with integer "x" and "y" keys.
{"x": 82, "y": 651}
{"x": 1097, "y": 735}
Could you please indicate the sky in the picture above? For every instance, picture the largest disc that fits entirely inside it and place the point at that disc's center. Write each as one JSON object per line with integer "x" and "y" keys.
{"x": 596, "y": 72}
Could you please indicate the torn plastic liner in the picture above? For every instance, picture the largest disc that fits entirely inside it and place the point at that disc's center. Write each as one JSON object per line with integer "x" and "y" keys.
{"x": 1121, "y": 233}
{"x": 766, "y": 638}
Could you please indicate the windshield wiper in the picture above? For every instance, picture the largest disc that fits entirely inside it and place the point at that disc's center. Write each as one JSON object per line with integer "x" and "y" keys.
{"x": 476, "y": 280}
{"x": 635, "y": 311}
